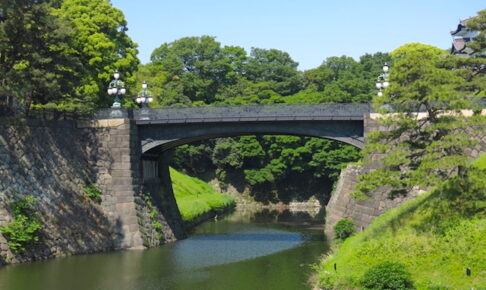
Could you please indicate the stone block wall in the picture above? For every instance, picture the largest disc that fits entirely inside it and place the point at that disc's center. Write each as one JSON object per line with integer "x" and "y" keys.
{"x": 362, "y": 212}
{"x": 54, "y": 161}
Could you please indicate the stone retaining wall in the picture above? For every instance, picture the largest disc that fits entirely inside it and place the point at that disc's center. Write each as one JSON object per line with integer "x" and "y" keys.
{"x": 54, "y": 161}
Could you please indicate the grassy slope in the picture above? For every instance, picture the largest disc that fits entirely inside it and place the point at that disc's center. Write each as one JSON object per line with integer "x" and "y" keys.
{"x": 481, "y": 161}
{"x": 436, "y": 236}
{"x": 195, "y": 197}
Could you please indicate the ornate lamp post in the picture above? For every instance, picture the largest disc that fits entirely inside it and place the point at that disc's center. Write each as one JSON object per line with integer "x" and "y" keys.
{"x": 144, "y": 97}
{"x": 382, "y": 81}
{"x": 116, "y": 88}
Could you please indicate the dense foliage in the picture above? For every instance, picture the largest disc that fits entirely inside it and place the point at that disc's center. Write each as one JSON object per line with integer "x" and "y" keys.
{"x": 199, "y": 71}
{"x": 344, "y": 228}
{"x": 273, "y": 166}
{"x": 387, "y": 275}
{"x": 101, "y": 43}
{"x": 61, "y": 53}
{"x": 36, "y": 63}
{"x": 23, "y": 231}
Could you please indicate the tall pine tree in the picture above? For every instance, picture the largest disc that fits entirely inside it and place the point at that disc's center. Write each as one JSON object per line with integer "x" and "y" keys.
{"x": 428, "y": 147}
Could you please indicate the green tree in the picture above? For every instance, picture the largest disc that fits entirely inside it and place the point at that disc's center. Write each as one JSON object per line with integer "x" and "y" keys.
{"x": 102, "y": 45}
{"x": 199, "y": 65}
{"x": 341, "y": 80}
{"x": 275, "y": 67}
{"x": 422, "y": 149}
{"x": 36, "y": 64}
{"x": 477, "y": 64}
{"x": 479, "y": 24}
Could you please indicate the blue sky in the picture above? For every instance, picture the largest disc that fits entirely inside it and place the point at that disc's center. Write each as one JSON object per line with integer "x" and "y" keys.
{"x": 309, "y": 30}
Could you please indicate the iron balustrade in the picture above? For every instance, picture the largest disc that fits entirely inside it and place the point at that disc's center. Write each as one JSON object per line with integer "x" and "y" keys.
{"x": 206, "y": 114}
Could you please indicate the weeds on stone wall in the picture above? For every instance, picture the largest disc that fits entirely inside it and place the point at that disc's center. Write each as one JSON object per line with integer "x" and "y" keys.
{"x": 93, "y": 192}
{"x": 23, "y": 231}
{"x": 155, "y": 232}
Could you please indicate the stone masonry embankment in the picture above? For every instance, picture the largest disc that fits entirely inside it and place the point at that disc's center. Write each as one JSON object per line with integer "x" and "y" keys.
{"x": 54, "y": 161}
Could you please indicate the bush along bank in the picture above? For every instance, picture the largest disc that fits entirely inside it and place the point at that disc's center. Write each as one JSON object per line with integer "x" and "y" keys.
{"x": 435, "y": 241}
{"x": 197, "y": 200}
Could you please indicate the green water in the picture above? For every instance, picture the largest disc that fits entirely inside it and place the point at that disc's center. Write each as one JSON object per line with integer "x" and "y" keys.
{"x": 264, "y": 250}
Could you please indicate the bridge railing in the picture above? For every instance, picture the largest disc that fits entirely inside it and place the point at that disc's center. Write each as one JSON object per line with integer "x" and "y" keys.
{"x": 254, "y": 113}
{"x": 274, "y": 112}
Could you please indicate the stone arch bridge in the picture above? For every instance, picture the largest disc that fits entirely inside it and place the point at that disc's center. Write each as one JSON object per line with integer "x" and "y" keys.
{"x": 137, "y": 140}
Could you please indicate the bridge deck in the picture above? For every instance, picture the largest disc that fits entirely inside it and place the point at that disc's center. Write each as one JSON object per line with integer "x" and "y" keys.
{"x": 246, "y": 113}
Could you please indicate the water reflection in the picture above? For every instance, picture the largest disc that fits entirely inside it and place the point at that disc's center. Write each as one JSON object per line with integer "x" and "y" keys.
{"x": 209, "y": 250}
{"x": 264, "y": 250}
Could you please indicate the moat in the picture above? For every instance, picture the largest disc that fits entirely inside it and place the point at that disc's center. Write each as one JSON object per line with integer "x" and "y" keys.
{"x": 245, "y": 250}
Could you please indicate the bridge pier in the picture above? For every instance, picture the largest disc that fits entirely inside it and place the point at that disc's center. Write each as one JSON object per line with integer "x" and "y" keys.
{"x": 118, "y": 174}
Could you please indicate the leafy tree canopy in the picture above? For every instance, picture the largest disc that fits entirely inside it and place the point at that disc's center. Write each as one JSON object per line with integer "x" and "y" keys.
{"x": 103, "y": 46}
{"x": 196, "y": 68}
{"x": 36, "y": 63}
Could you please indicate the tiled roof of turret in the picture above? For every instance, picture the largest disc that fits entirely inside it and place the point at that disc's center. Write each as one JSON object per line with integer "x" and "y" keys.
{"x": 462, "y": 24}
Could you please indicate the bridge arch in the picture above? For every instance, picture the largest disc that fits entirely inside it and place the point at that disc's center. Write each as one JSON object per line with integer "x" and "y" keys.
{"x": 168, "y": 136}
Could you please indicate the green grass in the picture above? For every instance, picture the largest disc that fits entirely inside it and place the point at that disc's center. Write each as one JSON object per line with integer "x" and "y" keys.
{"x": 481, "y": 161}
{"x": 195, "y": 197}
{"x": 436, "y": 236}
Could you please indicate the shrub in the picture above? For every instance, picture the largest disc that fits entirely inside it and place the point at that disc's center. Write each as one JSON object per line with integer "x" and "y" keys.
{"x": 344, "y": 228}
{"x": 93, "y": 192}
{"x": 387, "y": 275}
{"x": 23, "y": 230}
